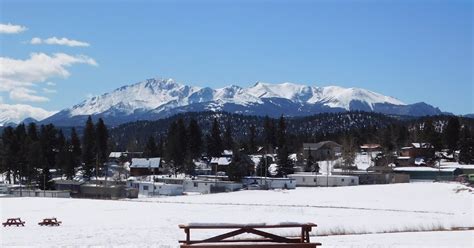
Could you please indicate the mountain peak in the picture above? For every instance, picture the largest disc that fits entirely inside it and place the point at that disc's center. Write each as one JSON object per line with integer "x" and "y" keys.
{"x": 161, "y": 97}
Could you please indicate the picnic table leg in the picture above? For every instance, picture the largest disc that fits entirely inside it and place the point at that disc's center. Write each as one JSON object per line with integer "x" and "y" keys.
{"x": 188, "y": 235}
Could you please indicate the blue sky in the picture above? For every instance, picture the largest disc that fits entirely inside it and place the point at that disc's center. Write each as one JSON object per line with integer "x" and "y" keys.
{"x": 412, "y": 50}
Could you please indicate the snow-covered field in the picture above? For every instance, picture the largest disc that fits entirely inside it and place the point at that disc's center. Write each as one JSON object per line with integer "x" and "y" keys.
{"x": 154, "y": 221}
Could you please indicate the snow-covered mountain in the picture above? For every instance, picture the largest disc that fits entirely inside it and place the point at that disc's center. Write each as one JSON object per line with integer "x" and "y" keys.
{"x": 158, "y": 98}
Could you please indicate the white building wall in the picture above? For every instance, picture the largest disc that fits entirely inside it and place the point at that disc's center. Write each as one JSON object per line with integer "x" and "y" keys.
{"x": 150, "y": 188}
{"x": 203, "y": 187}
{"x": 311, "y": 180}
{"x": 272, "y": 183}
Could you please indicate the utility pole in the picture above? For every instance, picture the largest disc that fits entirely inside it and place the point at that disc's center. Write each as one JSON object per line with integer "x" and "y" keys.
{"x": 96, "y": 174}
{"x": 44, "y": 184}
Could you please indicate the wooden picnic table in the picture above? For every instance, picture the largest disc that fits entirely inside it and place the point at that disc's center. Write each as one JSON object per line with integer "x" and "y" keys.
{"x": 13, "y": 222}
{"x": 266, "y": 239}
{"x": 50, "y": 222}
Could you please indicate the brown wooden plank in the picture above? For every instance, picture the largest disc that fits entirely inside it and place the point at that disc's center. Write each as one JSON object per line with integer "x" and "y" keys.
{"x": 234, "y": 226}
{"x": 236, "y": 241}
{"x": 304, "y": 245}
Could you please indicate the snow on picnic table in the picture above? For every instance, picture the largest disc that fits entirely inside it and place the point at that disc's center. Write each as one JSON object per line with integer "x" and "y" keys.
{"x": 154, "y": 221}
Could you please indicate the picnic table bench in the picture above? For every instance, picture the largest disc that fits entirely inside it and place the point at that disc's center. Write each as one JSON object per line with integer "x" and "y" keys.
{"x": 50, "y": 222}
{"x": 13, "y": 222}
{"x": 266, "y": 239}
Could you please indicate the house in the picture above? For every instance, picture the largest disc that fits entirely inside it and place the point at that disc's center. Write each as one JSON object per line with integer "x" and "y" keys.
{"x": 145, "y": 166}
{"x": 269, "y": 182}
{"x": 71, "y": 185}
{"x": 429, "y": 173}
{"x": 313, "y": 180}
{"x": 417, "y": 154}
{"x": 377, "y": 177}
{"x": 120, "y": 156}
{"x": 325, "y": 150}
{"x": 208, "y": 186}
{"x": 418, "y": 150}
{"x": 371, "y": 148}
{"x": 147, "y": 188}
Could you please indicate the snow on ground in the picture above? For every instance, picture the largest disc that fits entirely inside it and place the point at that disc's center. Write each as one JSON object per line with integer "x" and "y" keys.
{"x": 458, "y": 239}
{"x": 154, "y": 221}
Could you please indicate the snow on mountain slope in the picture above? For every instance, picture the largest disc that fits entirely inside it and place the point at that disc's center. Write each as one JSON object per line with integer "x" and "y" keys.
{"x": 145, "y": 95}
{"x": 166, "y": 93}
{"x": 158, "y": 98}
{"x": 335, "y": 96}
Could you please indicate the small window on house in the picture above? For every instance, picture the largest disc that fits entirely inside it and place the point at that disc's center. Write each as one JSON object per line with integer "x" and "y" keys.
{"x": 145, "y": 187}
{"x": 205, "y": 184}
{"x": 352, "y": 181}
{"x": 314, "y": 180}
{"x": 304, "y": 179}
{"x": 342, "y": 180}
{"x": 195, "y": 185}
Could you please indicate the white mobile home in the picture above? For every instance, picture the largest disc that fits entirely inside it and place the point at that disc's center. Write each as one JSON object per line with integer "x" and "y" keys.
{"x": 207, "y": 186}
{"x": 270, "y": 182}
{"x": 313, "y": 180}
{"x": 150, "y": 188}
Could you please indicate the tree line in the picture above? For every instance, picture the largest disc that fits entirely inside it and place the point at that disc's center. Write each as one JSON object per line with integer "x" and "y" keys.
{"x": 29, "y": 154}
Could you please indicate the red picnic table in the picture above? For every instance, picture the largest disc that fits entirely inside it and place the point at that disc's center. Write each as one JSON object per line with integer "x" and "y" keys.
{"x": 13, "y": 222}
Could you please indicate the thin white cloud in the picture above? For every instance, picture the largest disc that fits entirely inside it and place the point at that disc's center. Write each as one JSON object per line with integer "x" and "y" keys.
{"x": 50, "y": 84}
{"x": 49, "y": 91}
{"x": 11, "y": 29}
{"x": 26, "y": 95}
{"x": 18, "y": 112}
{"x": 36, "y": 41}
{"x": 59, "y": 41}
{"x": 18, "y": 77}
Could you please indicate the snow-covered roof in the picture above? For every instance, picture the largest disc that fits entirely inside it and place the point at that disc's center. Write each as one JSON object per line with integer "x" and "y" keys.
{"x": 370, "y": 146}
{"x": 419, "y": 161}
{"x": 317, "y": 146}
{"x": 421, "y": 145}
{"x": 227, "y": 152}
{"x": 145, "y": 163}
{"x": 403, "y": 158}
{"x": 456, "y": 165}
{"x": 422, "y": 168}
{"x": 115, "y": 155}
{"x": 221, "y": 160}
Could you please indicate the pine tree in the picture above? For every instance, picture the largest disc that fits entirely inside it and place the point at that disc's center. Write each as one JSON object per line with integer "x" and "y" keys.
{"x": 348, "y": 152}
{"x": 89, "y": 148}
{"x": 269, "y": 132}
{"x": 451, "y": 133}
{"x": 239, "y": 167}
{"x": 228, "y": 140}
{"x": 262, "y": 166}
{"x": 214, "y": 141}
{"x": 195, "y": 139}
{"x": 10, "y": 146}
{"x": 21, "y": 157}
{"x": 176, "y": 146}
{"x": 251, "y": 146}
{"x": 76, "y": 153}
{"x": 466, "y": 145}
{"x": 151, "y": 148}
{"x": 285, "y": 164}
{"x": 309, "y": 165}
{"x": 62, "y": 152}
{"x": 48, "y": 146}
{"x": 102, "y": 136}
